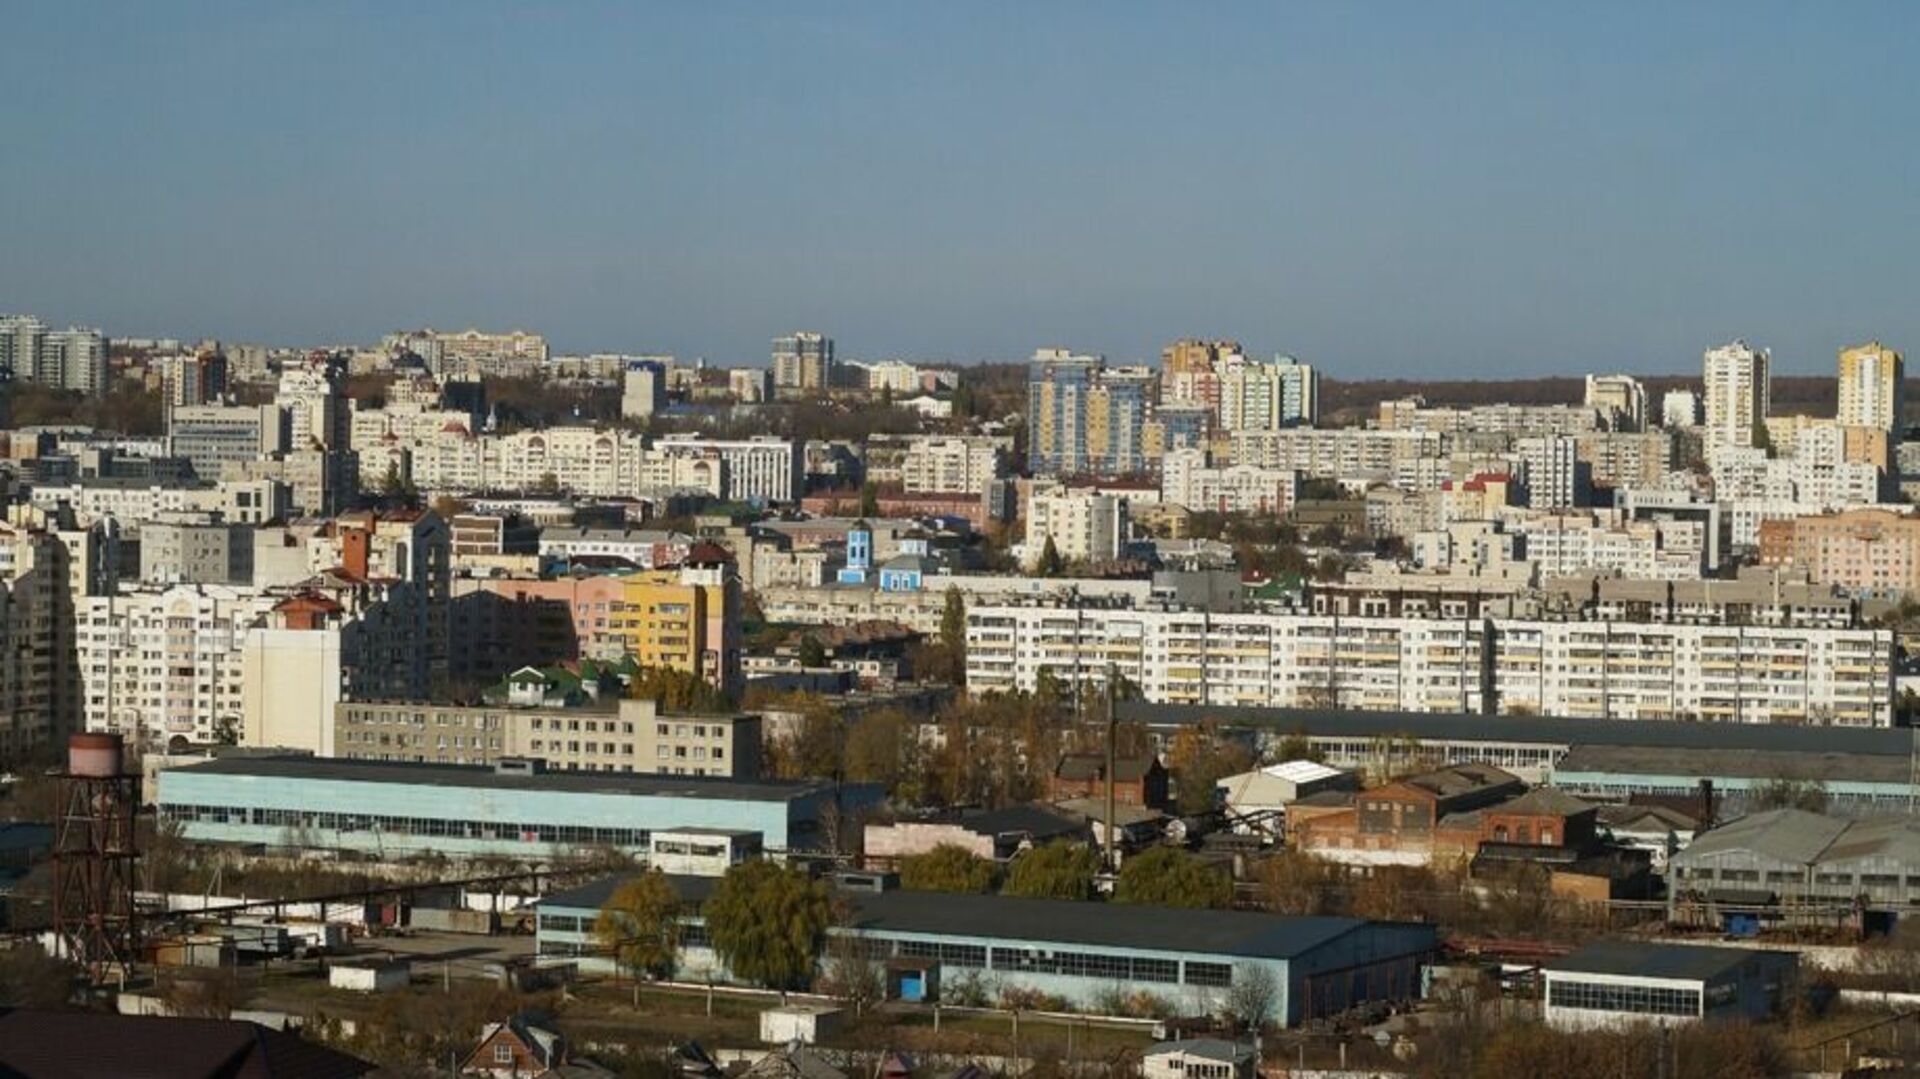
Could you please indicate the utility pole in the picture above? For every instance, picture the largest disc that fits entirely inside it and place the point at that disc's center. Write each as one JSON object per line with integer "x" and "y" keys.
{"x": 1113, "y": 727}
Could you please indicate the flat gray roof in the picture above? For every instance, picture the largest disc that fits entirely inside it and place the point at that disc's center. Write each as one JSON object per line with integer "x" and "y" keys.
{"x": 483, "y": 776}
{"x": 1737, "y": 764}
{"x": 1242, "y": 934}
{"x": 1649, "y": 960}
{"x": 1541, "y": 730}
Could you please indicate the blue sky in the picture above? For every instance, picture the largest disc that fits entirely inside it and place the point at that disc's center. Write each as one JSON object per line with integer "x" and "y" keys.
{"x": 1438, "y": 189}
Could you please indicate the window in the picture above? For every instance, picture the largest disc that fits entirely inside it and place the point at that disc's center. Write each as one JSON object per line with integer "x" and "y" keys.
{"x": 1634, "y": 999}
{"x": 502, "y": 1053}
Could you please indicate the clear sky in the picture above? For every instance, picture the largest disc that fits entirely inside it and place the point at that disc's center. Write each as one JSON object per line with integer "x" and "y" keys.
{"x": 1436, "y": 189}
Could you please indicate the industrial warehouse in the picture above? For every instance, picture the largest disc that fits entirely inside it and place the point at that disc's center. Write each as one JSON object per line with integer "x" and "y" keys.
{"x": 1863, "y": 772}
{"x": 935, "y": 943}
{"x": 513, "y": 808}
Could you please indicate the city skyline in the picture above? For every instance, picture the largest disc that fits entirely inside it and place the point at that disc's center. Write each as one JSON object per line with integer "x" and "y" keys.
{"x": 1494, "y": 192}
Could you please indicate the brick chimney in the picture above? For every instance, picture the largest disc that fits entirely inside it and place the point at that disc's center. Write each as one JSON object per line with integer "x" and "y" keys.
{"x": 355, "y": 544}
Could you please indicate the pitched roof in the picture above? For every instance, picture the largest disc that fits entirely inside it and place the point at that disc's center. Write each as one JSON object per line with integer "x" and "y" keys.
{"x": 1091, "y": 766}
{"x": 1458, "y": 779}
{"x": 1217, "y": 1049}
{"x": 102, "y": 1044}
{"x": 1545, "y": 801}
{"x": 1793, "y": 836}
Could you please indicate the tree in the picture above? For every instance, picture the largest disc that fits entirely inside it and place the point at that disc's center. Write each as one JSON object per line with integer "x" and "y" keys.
{"x": 1062, "y": 869}
{"x": 640, "y": 926}
{"x": 1051, "y": 564}
{"x": 1170, "y": 877}
{"x": 953, "y": 635}
{"x": 881, "y": 747}
{"x": 1295, "y": 882}
{"x": 767, "y": 922}
{"x": 850, "y": 972}
{"x": 30, "y": 978}
{"x": 397, "y": 488}
{"x": 947, "y": 868}
{"x": 1296, "y": 747}
{"x": 1253, "y": 994}
{"x": 813, "y": 654}
{"x": 1199, "y": 759}
{"x": 869, "y": 499}
{"x": 205, "y": 994}
{"x": 1784, "y": 793}
{"x": 676, "y": 690}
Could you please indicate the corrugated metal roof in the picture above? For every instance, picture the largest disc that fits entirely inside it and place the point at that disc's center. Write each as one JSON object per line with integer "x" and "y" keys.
{"x": 482, "y": 776}
{"x": 1541, "y": 730}
{"x": 1793, "y": 836}
{"x": 1649, "y": 960}
{"x": 1241, "y": 934}
{"x": 1735, "y": 763}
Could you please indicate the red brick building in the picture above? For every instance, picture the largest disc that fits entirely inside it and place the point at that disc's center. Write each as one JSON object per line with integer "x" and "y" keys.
{"x": 1137, "y": 781}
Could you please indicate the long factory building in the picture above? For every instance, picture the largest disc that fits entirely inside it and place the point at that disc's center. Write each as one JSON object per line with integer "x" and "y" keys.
{"x": 513, "y": 808}
{"x": 1863, "y": 771}
{"x": 938, "y": 946}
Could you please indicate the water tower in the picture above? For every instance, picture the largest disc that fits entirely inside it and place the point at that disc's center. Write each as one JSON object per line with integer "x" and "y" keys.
{"x": 95, "y": 855}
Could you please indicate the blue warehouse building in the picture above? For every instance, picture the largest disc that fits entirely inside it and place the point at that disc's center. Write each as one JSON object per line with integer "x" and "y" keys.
{"x": 932, "y": 943}
{"x": 513, "y": 808}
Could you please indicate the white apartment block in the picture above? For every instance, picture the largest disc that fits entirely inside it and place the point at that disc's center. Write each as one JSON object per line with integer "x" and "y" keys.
{"x": 1731, "y": 674}
{"x": 1332, "y": 452}
{"x": 1084, "y": 526}
{"x": 1628, "y": 458}
{"x": 1232, "y": 660}
{"x": 1621, "y": 398}
{"x": 1738, "y": 393}
{"x": 1473, "y": 546}
{"x": 1560, "y": 545}
{"x": 958, "y": 463}
{"x": 1267, "y": 396}
{"x": 1811, "y": 477}
{"x": 1551, "y": 472}
{"x": 1188, "y": 479}
{"x": 472, "y": 355}
{"x": 236, "y": 501}
{"x": 166, "y": 662}
{"x": 1679, "y": 408}
{"x": 1872, "y": 389}
{"x": 758, "y": 470}
{"x": 1619, "y": 670}
{"x": 1516, "y": 421}
{"x": 36, "y": 622}
{"x": 71, "y": 359}
{"x": 892, "y": 376}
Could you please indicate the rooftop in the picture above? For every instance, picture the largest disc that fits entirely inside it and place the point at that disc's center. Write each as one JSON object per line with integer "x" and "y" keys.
{"x": 1244, "y": 934}
{"x": 1797, "y": 837}
{"x": 1545, "y": 801}
{"x": 96, "y": 1043}
{"x": 484, "y": 777}
{"x": 1648, "y": 960}
{"x": 1732, "y": 762}
{"x": 1532, "y": 730}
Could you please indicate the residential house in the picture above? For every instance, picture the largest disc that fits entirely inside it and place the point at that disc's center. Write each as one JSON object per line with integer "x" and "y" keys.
{"x": 1138, "y": 780}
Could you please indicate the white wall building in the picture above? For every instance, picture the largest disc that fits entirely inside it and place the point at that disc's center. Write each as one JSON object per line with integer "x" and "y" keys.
{"x": 1618, "y": 670}
{"x": 1738, "y": 392}
{"x": 1188, "y": 479}
{"x": 1084, "y": 526}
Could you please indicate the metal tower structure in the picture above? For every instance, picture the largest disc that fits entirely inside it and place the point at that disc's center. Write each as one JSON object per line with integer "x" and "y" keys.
{"x": 95, "y": 854}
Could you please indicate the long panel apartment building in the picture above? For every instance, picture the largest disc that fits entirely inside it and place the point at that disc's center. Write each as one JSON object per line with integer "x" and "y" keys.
{"x": 1477, "y": 664}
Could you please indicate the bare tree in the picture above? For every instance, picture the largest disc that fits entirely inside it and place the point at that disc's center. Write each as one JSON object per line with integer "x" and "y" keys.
{"x": 1253, "y": 994}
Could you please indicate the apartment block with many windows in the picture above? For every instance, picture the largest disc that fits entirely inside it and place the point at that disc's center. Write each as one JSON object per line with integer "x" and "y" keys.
{"x": 623, "y": 736}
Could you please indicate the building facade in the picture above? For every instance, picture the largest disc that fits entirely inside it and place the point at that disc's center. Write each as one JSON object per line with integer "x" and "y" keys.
{"x": 1872, "y": 387}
